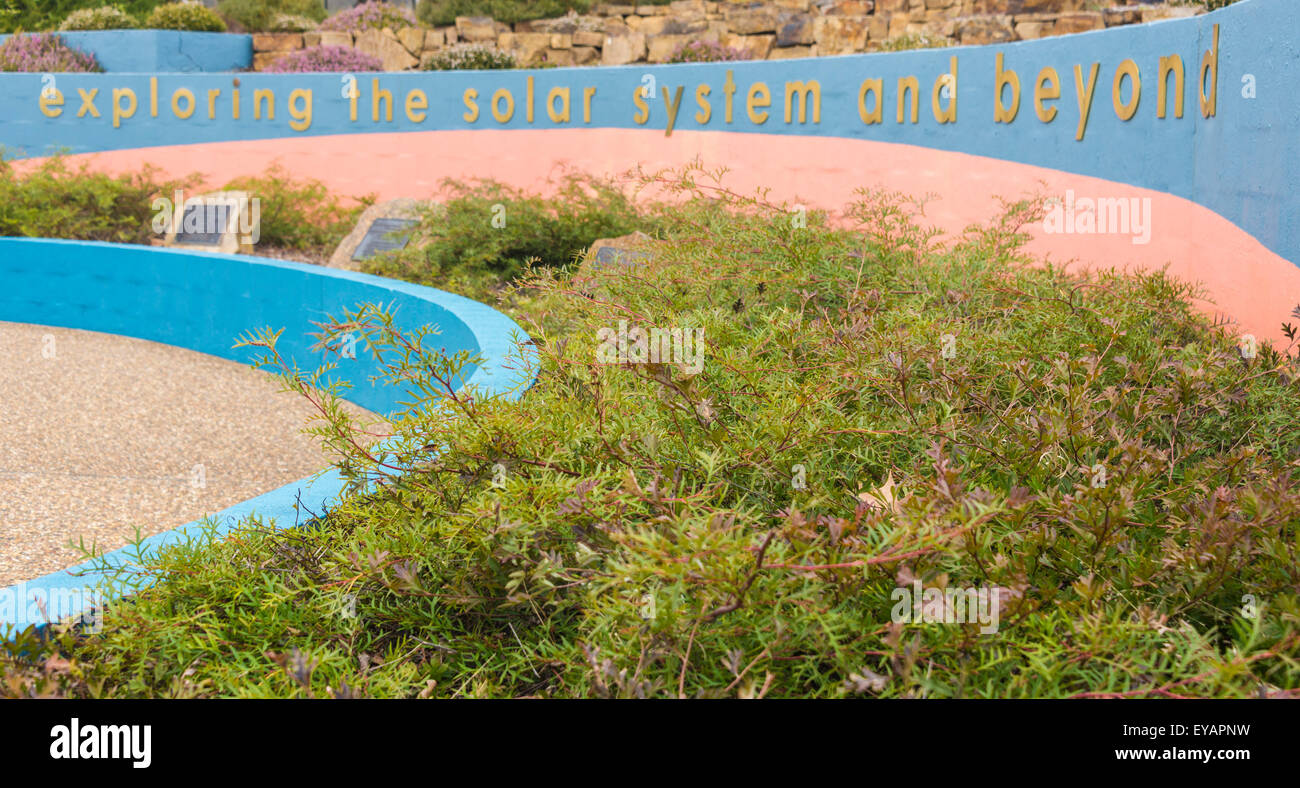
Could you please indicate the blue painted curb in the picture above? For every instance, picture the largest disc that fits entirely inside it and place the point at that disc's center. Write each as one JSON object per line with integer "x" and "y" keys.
{"x": 203, "y": 301}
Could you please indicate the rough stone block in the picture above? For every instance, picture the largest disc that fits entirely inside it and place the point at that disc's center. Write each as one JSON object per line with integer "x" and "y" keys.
{"x": 335, "y": 38}
{"x": 392, "y": 54}
{"x": 263, "y": 59}
{"x": 1121, "y": 16}
{"x": 749, "y": 21}
{"x": 786, "y": 53}
{"x": 841, "y": 35}
{"x": 1031, "y": 30}
{"x": 851, "y": 8}
{"x": 558, "y": 57}
{"x": 1078, "y": 22}
{"x": 476, "y": 28}
{"x": 757, "y": 46}
{"x": 795, "y": 30}
{"x": 412, "y": 38}
{"x": 276, "y": 42}
{"x": 986, "y": 30}
{"x": 879, "y": 28}
{"x": 621, "y": 49}
{"x": 660, "y": 48}
{"x": 527, "y": 48}
{"x": 1156, "y": 14}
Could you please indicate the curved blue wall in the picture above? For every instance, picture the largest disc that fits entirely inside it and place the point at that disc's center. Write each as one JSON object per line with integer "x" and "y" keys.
{"x": 1240, "y": 162}
{"x": 163, "y": 50}
{"x": 203, "y": 301}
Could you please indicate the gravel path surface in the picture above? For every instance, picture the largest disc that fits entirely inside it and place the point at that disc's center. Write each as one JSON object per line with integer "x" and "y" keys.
{"x": 100, "y": 434}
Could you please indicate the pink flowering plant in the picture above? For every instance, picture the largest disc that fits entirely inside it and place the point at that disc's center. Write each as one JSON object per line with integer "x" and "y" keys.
{"x": 325, "y": 58}
{"x": 370, "y": 16}
{"x": 707, "y": 52}
{"x": 44, "y": 52}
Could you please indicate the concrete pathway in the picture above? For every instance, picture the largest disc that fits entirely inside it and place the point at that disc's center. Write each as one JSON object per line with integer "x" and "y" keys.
{"x": 101, "y": 433}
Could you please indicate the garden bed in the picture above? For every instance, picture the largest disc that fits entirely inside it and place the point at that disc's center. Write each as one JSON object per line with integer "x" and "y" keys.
{"x": 163, "y": 51}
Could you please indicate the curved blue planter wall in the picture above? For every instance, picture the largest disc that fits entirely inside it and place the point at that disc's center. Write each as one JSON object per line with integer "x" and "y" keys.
{"x": 163, "y": 50}
{"x": 1239, "y": 162}
{"x": 203, "y": 301}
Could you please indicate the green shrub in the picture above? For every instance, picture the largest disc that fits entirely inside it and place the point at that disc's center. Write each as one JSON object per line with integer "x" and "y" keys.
{"x": 297, "y": 214}
{"x": 465, "y": 57}
{"x": 107, "y": 17}
{"x": 740, "y": 529}
{"x": 371, "y": 15}
{"x": 289, "y": 23}
{"x": 55, "y": 201}
{"x": 185, "y": 16}
{"x": 48, "y": 14}
{"x": 467, "y": 251}
{"x": 259, "y": 16}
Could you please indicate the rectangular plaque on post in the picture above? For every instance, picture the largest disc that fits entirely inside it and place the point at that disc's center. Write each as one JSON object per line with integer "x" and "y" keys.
{"x": 384, "y": 235}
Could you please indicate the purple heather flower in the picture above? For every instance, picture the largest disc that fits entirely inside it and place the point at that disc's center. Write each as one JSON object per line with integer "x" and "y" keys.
{"x": 707, "y": 52}
{"x": 325, "y": 58}
{"x": 44, "y": 52}
{"x": 369, "y": 16}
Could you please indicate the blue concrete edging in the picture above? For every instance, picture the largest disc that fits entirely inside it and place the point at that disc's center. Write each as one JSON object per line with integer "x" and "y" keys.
{"x": 163, "y": 50}
{"x": 202, "y": 301}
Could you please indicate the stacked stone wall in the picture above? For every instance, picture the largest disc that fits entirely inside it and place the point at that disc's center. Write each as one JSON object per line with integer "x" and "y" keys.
{"x": 763, "y": 29}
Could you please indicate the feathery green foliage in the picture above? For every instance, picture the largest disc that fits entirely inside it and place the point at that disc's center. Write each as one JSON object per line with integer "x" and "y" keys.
{"x": 480, "y": 235}
{"x": 54, "y": 200}
{"x": 640, "y": 529}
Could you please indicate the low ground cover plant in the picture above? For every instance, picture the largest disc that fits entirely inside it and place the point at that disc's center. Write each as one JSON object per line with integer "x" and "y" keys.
{"x": 373, "y": 15}
{"x": 707, "y": 52}
{"x": 55, "y": 200}
{"x": 36, "y": 15}
{"x": 44, "y": 52}
{"x": 185, "y": 16}
{"x": 107, "y": 17}
{"x": 455, "y": 248}
{"x": 444, "y": 12}
{"x": 258, "y": 16}
{"x": 290, "y": 23}
{"x": 874, "y": 409}
{"x": 298, "y": 214}
{"x": 299, "y": 217}
{"x": 474, "y": 57}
